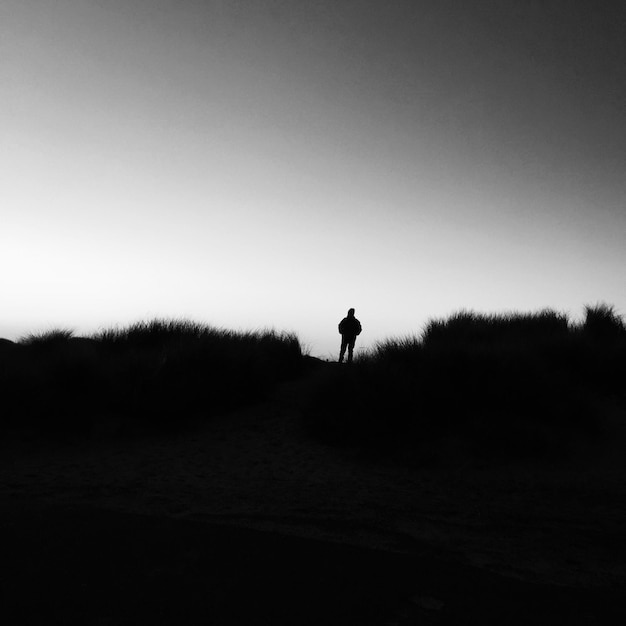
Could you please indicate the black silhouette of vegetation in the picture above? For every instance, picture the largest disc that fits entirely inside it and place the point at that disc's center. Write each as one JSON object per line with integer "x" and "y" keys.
{"x": 151, "y": 374}
{"x": 508, "y": 385}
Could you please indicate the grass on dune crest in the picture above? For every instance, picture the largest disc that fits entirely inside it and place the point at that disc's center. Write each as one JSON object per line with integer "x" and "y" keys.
{"x": 511, "y": 385}
{"x": 491, "y": 385}
{"x": 56, "y": 336}
{"x": 158, "y": 372}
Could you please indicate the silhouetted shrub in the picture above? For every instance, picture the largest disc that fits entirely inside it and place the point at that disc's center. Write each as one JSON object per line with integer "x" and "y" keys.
{"x": 602, "y": 323}
{"x": 48, "y": 339}
{"x": 157, "y": 373}
{"x": 505, "y": 385}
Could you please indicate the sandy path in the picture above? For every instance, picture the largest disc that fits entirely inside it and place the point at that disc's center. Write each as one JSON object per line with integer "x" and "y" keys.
{"x": 259, "y": 469}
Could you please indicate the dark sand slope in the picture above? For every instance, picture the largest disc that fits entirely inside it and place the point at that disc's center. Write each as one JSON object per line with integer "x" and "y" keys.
{"x": 248, "y": 521}
{"x": 88, "y": 566}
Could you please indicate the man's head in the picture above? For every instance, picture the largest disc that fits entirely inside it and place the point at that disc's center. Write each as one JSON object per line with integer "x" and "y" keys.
{"x": 350, "y": 312}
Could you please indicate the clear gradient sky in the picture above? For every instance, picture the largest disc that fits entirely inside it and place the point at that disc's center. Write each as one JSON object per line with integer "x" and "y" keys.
{"x": 255, "y": 163}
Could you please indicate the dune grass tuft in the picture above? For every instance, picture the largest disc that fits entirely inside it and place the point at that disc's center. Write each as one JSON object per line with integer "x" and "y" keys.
{"x": 158, "y": 373}
{"x": 509, "y": 385}
{"x": 50, "y": 337}
{"x": 602, "y": 322}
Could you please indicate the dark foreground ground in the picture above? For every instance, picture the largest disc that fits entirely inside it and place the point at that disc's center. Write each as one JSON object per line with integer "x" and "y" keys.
{"x": 82, "y": 565}
{"x": 248, "y": 519}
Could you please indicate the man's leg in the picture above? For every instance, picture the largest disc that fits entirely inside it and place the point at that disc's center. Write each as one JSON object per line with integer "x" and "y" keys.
{"x": 344, "y": 343}
{"x": 351, "y": 348}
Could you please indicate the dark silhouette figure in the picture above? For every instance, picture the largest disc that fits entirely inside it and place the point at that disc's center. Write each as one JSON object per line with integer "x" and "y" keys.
{"x": 349, "y": 328}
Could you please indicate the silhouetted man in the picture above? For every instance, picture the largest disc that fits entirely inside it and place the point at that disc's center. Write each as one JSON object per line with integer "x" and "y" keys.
{"x": 349, "y": 328}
